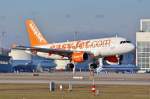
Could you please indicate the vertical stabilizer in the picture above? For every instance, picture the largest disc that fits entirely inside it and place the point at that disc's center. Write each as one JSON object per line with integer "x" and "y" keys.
{"x": 35, "y": 36}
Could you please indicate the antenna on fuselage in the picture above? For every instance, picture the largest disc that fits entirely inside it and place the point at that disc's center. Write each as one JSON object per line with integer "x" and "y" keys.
{"x": 116, "y": 35}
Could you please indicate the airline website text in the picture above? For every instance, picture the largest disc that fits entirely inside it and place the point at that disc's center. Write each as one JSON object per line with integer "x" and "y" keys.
{"x": 82, "y": 44}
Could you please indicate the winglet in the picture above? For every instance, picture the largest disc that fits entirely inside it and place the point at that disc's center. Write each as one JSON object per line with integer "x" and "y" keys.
{"x": 35, "y": 36}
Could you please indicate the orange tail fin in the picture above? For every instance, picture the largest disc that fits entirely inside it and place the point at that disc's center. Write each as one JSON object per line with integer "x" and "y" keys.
{"x": 35, "y": 36}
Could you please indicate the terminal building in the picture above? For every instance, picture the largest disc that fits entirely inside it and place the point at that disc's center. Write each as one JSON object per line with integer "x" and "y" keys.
{"x": 5, "y": 64}
{"x": 25, "y": 62}
{"x": 143, "y": 46}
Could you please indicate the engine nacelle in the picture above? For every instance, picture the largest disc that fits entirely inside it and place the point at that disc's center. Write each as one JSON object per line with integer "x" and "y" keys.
{"x": 79, "y": 57}
{"x": 70, "y": 66}
{"x": 93, "y": 66}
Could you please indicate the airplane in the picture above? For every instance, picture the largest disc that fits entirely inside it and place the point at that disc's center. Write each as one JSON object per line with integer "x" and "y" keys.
{"x": 110, "y": 48}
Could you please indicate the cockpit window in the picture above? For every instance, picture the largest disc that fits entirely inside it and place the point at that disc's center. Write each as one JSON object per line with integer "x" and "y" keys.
{"x": 124, "y": 42}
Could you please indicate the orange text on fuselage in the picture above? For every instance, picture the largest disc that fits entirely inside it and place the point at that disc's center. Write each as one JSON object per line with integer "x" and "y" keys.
{"x": 82, "y": 44}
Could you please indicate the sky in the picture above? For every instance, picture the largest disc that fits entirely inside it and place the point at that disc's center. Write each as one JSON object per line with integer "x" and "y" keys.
{"x": 58, "y": 20}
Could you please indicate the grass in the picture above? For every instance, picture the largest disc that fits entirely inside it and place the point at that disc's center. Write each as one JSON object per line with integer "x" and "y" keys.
{"x": 41, "y": 91}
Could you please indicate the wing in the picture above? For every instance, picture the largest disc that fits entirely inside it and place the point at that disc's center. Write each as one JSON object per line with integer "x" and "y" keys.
{"x": 65, "y": 53}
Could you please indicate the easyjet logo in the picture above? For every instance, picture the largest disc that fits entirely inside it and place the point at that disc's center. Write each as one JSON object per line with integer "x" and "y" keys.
{"x": 82, "y": 44}
{"x": 36, "y": 32}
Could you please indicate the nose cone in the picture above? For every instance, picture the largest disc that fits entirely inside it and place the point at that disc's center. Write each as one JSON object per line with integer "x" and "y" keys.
{"x": 129, "y": 47}
{"x": 125, "y": 48}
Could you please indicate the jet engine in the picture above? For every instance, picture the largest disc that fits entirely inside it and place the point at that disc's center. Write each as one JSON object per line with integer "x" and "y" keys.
{"x": 79, "y": 57}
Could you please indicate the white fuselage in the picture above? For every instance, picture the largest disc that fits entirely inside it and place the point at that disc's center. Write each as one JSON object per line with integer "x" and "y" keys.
{"x": 97, "y": 47}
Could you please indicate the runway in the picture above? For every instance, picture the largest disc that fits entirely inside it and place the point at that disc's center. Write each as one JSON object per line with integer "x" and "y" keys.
{"x": 66, "y": 77}
{"x": 77, "y": 82}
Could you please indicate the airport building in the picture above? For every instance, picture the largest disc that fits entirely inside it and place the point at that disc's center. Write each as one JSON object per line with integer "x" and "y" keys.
{"x": 143, "y": 46}
{"x": 25, "y": 62}
{"x": 19, "y": 54}
{"x": 5, "y": 64}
